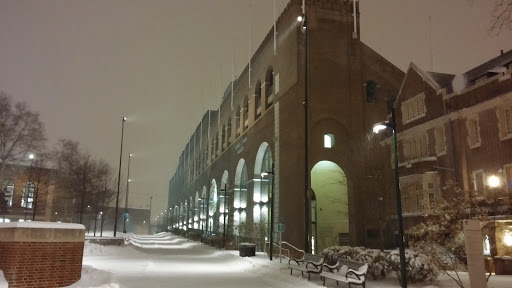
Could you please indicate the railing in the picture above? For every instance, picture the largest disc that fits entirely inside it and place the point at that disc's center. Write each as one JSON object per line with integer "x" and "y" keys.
{"x": 291, "y": 246}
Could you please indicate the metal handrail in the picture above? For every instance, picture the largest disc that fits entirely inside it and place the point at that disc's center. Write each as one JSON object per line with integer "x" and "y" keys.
{"x": 280, "y": 252}
{"x": 299, "y": 250}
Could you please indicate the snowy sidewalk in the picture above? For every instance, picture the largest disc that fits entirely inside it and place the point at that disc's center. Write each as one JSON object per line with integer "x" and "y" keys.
{"x": 165, "y": 260}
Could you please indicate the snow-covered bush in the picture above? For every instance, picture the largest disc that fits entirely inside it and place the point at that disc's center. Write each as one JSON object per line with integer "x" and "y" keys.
{"x": 376, "y": 259}
{"x": 377, "y": 264}
{"x": 419, "y": 267}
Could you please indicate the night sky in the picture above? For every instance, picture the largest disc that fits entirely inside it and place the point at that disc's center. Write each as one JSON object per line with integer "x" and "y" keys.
{"x": 85, "y": 64}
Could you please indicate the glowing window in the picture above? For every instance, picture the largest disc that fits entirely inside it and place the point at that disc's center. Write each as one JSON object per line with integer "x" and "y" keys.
{"x": 328, "y": 140}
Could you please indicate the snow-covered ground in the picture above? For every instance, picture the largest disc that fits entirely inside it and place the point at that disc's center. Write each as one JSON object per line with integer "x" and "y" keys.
{"x": 165, "y": 260}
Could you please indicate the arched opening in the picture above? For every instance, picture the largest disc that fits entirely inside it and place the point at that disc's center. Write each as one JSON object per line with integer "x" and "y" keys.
{"x": 237, "y": 120}
{"x": 329, "y": 184}
{"x": 197, "y": 211}
{"x": 224, "y": 204}
{"x": 240, "y": 196}
{"x": 213, "y": 224}
{"x": 261, "y": 193}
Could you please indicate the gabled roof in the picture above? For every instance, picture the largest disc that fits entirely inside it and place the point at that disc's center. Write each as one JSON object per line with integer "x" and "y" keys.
{"x": 437, "y": 81}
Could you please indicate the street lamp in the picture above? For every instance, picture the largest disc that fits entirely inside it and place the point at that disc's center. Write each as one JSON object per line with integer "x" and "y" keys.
{"x": 263, "y": 174}
{"x": 29, "y": 188}
{"x": 128, "y": 180}
{"x": 376, "y": 128}
{"x": 119, "y": 176}
{"x": 494, "y": 182}
{"x": 225, "y": 195}
{"x": 303, "y": 19}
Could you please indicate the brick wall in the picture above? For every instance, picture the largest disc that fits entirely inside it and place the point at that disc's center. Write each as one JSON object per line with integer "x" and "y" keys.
{"x": 41, "y": 254}
{"x": 41, "y": 264}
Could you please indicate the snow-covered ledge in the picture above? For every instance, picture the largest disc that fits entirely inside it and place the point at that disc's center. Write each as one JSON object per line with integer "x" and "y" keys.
{"x": 41, "y": 254}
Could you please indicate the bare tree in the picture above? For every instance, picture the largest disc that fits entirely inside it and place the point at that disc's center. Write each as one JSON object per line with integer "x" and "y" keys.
{"x": 21, "y": 131}
{"x": 40, "y": 175}
{"x": 501, "y": 16}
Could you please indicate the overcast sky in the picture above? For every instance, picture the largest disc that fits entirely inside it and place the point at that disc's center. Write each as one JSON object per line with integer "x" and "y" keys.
{"x": 85, "y": 64}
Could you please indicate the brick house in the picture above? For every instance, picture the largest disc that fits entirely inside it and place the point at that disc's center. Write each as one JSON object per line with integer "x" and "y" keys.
{"x": 455, "y": 128}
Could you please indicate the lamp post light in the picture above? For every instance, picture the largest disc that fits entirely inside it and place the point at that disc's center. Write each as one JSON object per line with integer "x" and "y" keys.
{"x": 128, "y": 180}
{"x": 401, "y": 246}
{"x": 303, "y": 19}
{"x": 271, "y": 199}
{"x": 149, "y": 218}
{"x": 224, "y": 213}
{"x": 119, "y": 176}
{"x": 89, "y": 220}
{"x": 494, "y": 182}
{"x": 29, "y": 187}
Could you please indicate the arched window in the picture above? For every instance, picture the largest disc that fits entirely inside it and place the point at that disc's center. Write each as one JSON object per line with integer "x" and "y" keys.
{"x": 238, "y": 119}
{"x": 228, "y": 132}
{"x": 28, "y": 195}
{"x": 269, "y": 87}
{"x": 223, "y": 137}
{"x": 261, "y": 193}
{"x": 216, "y": 145}
{"x": 257, "y": 100}
{"x": 246, "y": 113}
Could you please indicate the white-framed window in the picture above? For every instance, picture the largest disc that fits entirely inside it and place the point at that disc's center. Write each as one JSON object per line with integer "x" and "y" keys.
{"x": 478, "y": 181}
{"x": 440, "y": 136}
{"x": 413, "y": 108}
{"x": 472, "y": 124}
{"x": 328, "y": 141}
{"x": 505, "y": 122}
{"x": 415, "y": 147}
{"x": 507, "y": 170}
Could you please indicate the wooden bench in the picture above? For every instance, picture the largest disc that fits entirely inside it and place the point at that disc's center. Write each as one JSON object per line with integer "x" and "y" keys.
{"x": 346, "y": 271}
{"x": 309, "y": 263}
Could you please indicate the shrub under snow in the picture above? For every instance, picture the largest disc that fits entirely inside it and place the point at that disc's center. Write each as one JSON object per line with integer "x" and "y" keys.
{"x": 419, "y": 267}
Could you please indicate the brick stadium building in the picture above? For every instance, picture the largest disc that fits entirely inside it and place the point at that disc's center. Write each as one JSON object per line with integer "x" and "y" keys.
{"x": 306, "y": 111}
{"x": 333, "y": 179}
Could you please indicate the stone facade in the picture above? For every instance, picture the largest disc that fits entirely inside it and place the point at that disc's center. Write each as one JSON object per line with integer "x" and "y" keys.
{"x": 262, "y": 123}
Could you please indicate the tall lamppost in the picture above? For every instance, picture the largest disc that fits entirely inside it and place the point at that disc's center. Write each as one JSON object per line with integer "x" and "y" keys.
{"x": 401, "y": 246}
{"x": 29, "y": 188}
{"x": 303, "y": 19}
{"x": 271, "y": 199}
{"x": 119, "y": 176}
{"x": 494, "y": 182}
{"x": 225, "y": 195}
{"x": 128, "y": 180}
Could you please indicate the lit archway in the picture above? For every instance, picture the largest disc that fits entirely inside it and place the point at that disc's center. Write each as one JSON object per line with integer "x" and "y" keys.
{"x": 331, "y": 216}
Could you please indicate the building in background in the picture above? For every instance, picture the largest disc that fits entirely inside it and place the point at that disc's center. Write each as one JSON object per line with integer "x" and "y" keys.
{"x": 458, "y": 129}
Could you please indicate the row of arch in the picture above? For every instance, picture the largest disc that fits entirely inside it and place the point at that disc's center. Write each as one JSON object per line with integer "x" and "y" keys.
{"x": 220, "y": 208}
{"x": 220, "y": 142}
